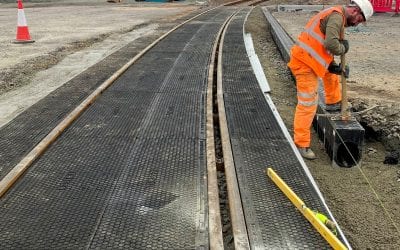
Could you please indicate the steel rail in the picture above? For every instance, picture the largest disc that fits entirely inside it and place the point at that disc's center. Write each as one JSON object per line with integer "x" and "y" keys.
{"x": 284, "y": 39}
{"x": 8, "y": 181}
{"x": 248, "y": 2}
{"x": 236, "y": 2}
{"x": 16, "y": 172}
{"x": 239, "y": 229}
{"x": 257, "y": 2}
{"x": 214, "y": 221}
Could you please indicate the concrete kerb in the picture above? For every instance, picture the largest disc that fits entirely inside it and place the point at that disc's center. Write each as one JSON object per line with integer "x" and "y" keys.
{"x": 352, "y": 132}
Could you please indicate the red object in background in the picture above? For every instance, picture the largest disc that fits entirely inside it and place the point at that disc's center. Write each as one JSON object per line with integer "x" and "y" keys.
{"x": 23, "y": 35}
{"x": 385, "y": 5}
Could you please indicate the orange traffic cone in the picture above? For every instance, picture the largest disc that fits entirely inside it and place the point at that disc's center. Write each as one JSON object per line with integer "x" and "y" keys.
{"x": 22, "y": 29}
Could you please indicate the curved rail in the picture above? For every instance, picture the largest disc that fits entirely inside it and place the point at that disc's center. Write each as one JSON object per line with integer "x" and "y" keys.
{"x": 215, "y": 227}
{"x": 283, "y": 42}
{"x": 7, "y": 182}
{"x": 235, "y": 204}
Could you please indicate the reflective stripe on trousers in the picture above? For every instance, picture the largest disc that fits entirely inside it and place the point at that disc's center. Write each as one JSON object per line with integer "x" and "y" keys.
{"x": 307, "y": 87}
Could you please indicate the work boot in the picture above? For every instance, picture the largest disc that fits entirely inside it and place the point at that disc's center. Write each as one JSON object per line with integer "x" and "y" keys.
{"x": 307, "y": 153}
{"x": 333, "y": 107}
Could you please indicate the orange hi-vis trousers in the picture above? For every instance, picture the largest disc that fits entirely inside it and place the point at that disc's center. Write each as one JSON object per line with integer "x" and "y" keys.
{"x": 307, "y": 98}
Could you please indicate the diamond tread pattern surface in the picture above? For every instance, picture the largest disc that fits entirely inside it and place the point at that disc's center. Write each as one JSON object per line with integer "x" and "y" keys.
{"x": 257, "y": 141}
{"x": 131, "y": 171}
{"x": 21, "y": 134}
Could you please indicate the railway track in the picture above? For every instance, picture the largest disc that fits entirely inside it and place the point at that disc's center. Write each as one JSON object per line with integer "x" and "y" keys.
{"x": 134, "y": 164}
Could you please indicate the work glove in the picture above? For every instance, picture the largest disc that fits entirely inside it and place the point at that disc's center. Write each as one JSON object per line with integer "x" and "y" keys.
{"x": 335, "y": 68}
{"x": 346, "y": 45}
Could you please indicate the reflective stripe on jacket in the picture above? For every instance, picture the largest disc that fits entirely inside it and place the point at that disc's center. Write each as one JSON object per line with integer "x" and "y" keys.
{"x": 310, "y": 45}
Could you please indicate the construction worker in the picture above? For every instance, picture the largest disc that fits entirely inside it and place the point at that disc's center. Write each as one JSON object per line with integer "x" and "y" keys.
{"x": 312, "y": 57}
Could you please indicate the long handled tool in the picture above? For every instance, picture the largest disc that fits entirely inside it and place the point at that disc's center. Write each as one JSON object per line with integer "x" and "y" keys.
{"x": 345, "y": 114}
{"x": 345, "y": 105}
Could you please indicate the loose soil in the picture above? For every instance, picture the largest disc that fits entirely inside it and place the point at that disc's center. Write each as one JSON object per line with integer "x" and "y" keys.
{"x": 69, "y": 38}
{"x": 374, "y": 79}
{"x": 364, "y": 200}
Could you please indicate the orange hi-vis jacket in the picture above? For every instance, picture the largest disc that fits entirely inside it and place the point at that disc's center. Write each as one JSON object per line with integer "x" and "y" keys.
{"x": 310, "y": 45}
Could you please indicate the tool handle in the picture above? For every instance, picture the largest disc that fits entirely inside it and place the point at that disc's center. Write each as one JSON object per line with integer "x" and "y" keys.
{"x": 345, "y": 112}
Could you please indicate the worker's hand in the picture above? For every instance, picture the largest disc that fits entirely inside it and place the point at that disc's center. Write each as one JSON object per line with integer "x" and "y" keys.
{"x": 335, "y": 68}
{"x": 346, "y": 45}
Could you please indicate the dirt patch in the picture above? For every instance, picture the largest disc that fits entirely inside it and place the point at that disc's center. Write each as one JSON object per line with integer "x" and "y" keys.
{"x": 63, "y": 30}
{"x": 69, "y": 39}
{"x": 364, "y": 200}
{"x": 374, "y": 78}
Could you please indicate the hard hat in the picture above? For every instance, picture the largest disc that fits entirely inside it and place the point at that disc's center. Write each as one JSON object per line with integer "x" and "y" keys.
{"x": 366, "y": 8}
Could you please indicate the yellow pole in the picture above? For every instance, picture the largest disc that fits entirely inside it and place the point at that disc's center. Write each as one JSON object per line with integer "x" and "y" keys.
{"x": 308, "y": 213}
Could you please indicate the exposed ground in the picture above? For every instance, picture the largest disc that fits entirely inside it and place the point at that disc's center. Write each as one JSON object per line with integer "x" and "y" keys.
{"x": 69, "y": 37}
{"x": 374, "y": 78}
{"x": 364, "y": 200}
{"x": 73, "y": 35}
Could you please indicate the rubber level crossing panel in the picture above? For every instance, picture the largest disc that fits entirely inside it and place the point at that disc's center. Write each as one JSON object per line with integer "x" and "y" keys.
{"x": 258, "y": 142}
{"x": 130, "y": 173}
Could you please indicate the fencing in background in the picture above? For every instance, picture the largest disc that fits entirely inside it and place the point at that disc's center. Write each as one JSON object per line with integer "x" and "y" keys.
{"x": 386, "y": 5}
